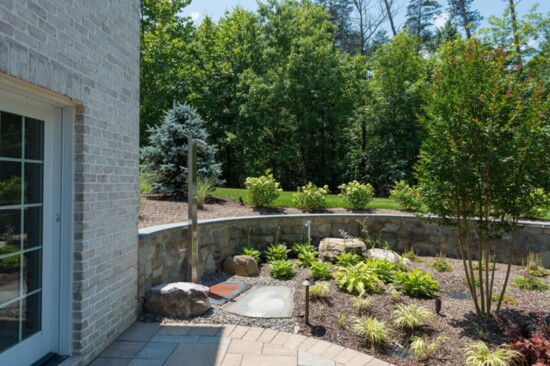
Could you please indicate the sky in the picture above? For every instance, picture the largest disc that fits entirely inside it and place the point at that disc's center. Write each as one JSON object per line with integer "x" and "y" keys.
{"x": 198, "y": 9}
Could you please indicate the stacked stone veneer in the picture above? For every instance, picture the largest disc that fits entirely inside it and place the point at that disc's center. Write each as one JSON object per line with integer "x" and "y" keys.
{"x": 163, "y": 249}
{"x": 89, "y": 51}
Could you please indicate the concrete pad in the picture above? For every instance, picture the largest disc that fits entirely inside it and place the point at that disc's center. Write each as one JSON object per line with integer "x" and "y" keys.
{"x": 196, "y": 355}
{"x": 264, "y": 302}
{"x": 140, "y": 332}
{"x": 245, "y": 347}
{"x": 175, "y": 339}
{"x": 272, "y": 349}
{"x": 157, "y": 351}
{"x": 309, "y": 359}
{"x": 122, "y": 349}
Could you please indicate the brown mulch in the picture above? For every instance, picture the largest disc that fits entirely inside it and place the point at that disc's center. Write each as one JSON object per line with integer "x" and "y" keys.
{"x": 157, "y": 210}
{"x": 456, "y": 327}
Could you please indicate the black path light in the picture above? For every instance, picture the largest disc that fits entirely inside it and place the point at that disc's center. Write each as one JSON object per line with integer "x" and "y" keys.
{"x": 307, "y": 283}
{"x": 437, "y": 305}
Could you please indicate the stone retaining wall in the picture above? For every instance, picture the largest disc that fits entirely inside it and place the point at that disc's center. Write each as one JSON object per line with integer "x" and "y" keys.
{"x": 163, "y": 249}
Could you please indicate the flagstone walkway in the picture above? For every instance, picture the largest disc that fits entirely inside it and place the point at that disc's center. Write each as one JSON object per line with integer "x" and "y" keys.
{"x": 154, "y": 344}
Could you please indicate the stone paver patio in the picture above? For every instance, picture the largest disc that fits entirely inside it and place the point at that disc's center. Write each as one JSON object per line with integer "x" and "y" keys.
{"x": 153, "y": 344}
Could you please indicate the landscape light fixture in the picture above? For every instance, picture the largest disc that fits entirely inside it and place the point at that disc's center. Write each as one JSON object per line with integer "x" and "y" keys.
{"x": 437, "y": 305}
{"x": 307, "y": 283}
{"x": 192, "y": 203}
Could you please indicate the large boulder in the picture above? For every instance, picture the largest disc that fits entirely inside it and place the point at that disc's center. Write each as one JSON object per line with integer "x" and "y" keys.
{"x": 242, "y": 265}
{"x": 389, "y": 255}
{"x": 329, "y": 248}
{"x": 177, "y": 300}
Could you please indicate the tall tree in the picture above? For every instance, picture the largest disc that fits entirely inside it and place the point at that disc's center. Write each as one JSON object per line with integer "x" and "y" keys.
{"x": 389, "y": 5}
{"x": 368, "y": 16}
{"x": 445, "y": 34}
{"x": 421, "y": 15}
{"x": 164, "y": 35}
{"x": 340, "y": 11}
{"x": 463, "y": 15}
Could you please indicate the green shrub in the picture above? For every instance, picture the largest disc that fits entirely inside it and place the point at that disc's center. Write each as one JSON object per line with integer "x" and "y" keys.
{"x": 395, "y": 294}
{"x": 440, "y": 264}
{"x": 276, "y": 252}
{"x": 262, "y": 191}
{"x": 373, "y": 331}
{"x": 147, "y": 178}
{"x": 359, "y": 279}
{"x": 281, "y": 269}
{"x": 9, "y": 264}
{"x": 421, "y": 349}
{"x": 362, "y": 304}
{"x": 341, "y": 320}
{"x": 311, "y": 197}
{"x": 307, "y": 258}
{"x": 254, "y": 253}
{"x": 407, "y": 197}
{"x": 347, "y": 259}
{"x": 358, "y": 195}
{"x": 476, "y": 265}
{"x": 534, "y": 266}
{"x": 205, "y": 186}
{"x": 320, "y": 290}
{"x": 384, "y": 269}
{"x": 478, "y": 354}
{"x": 417, "y": 283}
{"x": 320, "y": 270}
{"x": 411, "y": 316}
{"x": 529, "y": 283}
{"x": 412, "y": 256}
{"x": 298, "y": 248}
{"x": 540, "y": 203}
{"x": 509, "y": 300}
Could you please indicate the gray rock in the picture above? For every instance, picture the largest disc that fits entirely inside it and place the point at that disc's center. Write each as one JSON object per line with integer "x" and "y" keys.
{"x": 177, "y": 300}
{"x": 329, "y": 248}
{"x": 242, "y": 265}
{"x": 389, "y": 255}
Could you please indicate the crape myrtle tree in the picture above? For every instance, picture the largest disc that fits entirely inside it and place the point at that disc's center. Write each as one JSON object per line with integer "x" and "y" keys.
{"x": 486, "y": 149}
{"x": 167, "y": 152}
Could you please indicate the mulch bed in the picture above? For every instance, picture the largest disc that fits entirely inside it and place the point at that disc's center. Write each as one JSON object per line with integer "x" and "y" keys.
{"x": 457, "y": 326}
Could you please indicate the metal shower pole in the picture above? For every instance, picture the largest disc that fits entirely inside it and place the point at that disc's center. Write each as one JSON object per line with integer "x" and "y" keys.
{"x": 192, "y": 198}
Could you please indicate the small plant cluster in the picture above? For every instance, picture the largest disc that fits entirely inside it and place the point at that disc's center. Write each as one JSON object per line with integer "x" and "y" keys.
{"x": 281, "y": 269}
{"x": 359, "y": 278}
{"x": 534, "y": 266}
{"x": 540, "y": 203}
{"x": 530, "y": 283}
{"x": 306, "y": 253}
{"x": 358, "y": 195}
{"x": 532, "y": 340}
{"x": 478, "y": 354}
{"x": 411, "y": 255}
{"x": 321, "y": 290}
{"x": 310, "y": 197}
{"x": 417, "y": 283}
{"x": 252, "y": 252}
{"x": 320, "y": 270}
{"x": 262, "y": 191}
{"x": 407, "y": 196}
{"x": 440, "y": 264}
{"x": 276, "y": 252}
{"x": 347, "y": 259}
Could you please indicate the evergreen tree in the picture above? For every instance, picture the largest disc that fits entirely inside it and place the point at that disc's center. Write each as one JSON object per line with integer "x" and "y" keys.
{"x": 421, "y": 15}
{"x": 167, "y": 152}
{"x": 463, "y": 16}
{"x": 345, "y": 37}
{"x": 445, "y": 34}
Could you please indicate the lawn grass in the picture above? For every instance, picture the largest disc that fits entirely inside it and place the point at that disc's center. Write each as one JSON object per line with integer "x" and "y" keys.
{"x": 285, "y": 199}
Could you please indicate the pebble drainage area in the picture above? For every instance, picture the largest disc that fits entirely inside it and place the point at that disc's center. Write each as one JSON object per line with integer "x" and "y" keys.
{"x": 264, "y": 302}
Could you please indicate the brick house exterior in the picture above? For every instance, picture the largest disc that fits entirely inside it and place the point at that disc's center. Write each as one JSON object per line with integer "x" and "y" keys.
{"x": 82, "y": 56}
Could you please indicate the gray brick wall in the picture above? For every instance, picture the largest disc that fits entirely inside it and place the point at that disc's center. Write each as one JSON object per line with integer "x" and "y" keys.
{"x": 89, "y": 51}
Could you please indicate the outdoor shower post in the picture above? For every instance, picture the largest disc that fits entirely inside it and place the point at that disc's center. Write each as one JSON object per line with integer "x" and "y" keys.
{"x": 192, "y": 225}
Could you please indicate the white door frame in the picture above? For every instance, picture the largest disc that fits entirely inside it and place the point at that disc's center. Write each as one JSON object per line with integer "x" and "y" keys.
{"x": 25, "y": 99}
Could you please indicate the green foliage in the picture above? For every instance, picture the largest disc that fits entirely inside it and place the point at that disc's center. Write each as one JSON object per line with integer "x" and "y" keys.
{"x": 421, "y": 15}
{"x": 341, "y": 320}
{"x": 530, "y": 283}
{"x": 281, "y": 269}
{"x": 320, "y": 270}
{"x": 307, "y": 258}
{"x": 407, "y": 196}
{"x": 358, "y": 195}
{"x": 310, "y": 197}
{"x": 10, "y": 190}
{"x": 362, "y": 304}
{"x": 534, "y": 266}
{"x": 205, "y": 186}
{"x": 486, "y": 147}
{"x": 147, "y": 178}
{"x": 167, "y": 153}
{"x": 9, "y": 264}
{"x": 411, "y": 316}
{"x": 276, "y": 252}
{"x": 320, "y": 290}
{"x": 262, "y": 191}
{"x": 298, "y": 248}
{"x": 440, "y": 264}
{"x": 359, "y": 278}
{"x": 540, "y": 203}
{"x": 476, "y": 266}
{"x": 384, "y": 269}
{"x": 395, "y": 294}
{"x": 421, "y": 349}
{"x": 412, "y": 256}
{"x": 346, "y": 259}
{"x": 417, "y": 284}
{"x": 509, "y": 300}
{"x": 253, "y": 252}
{"x": 478, "y": 354}
{"x": 374, "y": 332}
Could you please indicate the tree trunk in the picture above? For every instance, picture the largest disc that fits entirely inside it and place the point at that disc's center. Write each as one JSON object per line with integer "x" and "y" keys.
{"x": 464, "y": 18}
{"x": 390, "y": 17}
{"x": 515, "y": 30}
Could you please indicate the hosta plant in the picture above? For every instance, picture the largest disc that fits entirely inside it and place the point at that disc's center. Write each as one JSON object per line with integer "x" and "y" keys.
{"x": 310, "y": 197}
{"x": 478, "y": 354}
{"x": 384, "y": 269}
{"x": 373, "y": 331}
{"x": 276, "y": 252}
{"x": 320, "y": 270}
{"x": 307, "y": 258}
{"x": 262, "y": 191}
{"x": 281, "y": 269}
{"x": 346, "y": 259}
{"x": 417, "y": 283}
{"x": 411, "y": 316}
{"x": 358, "y": 279}
{"x": 357, "y": 194}
{"x": 320, "y": 290}
{"x": 298, "y": 248}
{"x": 254, "y": 253}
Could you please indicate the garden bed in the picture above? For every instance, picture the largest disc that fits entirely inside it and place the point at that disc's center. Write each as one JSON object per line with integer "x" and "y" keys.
{"x": 457, "y": 326}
